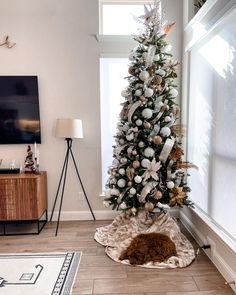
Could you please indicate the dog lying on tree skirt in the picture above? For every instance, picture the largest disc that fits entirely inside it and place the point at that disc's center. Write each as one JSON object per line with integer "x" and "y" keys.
{"x": 145, "y": 248}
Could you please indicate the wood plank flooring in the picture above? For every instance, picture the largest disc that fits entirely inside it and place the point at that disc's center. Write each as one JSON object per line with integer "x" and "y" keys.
{"x": 98, "y": 274}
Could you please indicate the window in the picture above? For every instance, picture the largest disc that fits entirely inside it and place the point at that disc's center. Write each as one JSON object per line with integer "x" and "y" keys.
{"x": 119, "y": 19}
{"x": 112, "y": 82}
{"x": 116, "y": 18}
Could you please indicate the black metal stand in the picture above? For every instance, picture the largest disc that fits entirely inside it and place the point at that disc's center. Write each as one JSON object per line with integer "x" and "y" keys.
{"x": 63, "y": 176}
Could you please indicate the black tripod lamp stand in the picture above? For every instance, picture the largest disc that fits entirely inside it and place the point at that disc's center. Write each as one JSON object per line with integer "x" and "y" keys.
{"x": 68, "y": 129}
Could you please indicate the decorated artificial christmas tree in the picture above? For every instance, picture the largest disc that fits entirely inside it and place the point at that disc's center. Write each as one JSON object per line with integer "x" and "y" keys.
{"x": 147, "y": 175}
{"x": 147, "y": 171}
{"x": 29, "y": 162}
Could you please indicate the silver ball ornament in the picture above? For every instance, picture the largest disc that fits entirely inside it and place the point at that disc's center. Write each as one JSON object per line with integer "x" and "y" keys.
{"x": 173, "y": 92}
{"x": 139, "y": 122}
{"x": 144, "y": 75}
{"x": 165, "y": 131}
{"x": 141, "y": 144}
{"x": 149, "y": 152}
{"x": 121, "y": 183}
{"x": 170, "y": 184}
{"x": 145, "y": 163}
{"x": 147, "y": 113}
{"x": 138, "y": 179}
{"x": 148, "y": 92}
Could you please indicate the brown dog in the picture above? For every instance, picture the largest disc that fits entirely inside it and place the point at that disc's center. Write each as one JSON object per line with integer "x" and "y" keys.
{"x": 153, "y": 247}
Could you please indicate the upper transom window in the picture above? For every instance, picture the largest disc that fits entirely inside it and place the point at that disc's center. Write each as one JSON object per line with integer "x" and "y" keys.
{"x": 118, "y": 18}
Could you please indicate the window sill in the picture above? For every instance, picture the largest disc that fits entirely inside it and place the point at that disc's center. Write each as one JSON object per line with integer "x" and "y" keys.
{"x": 114, "y": 38}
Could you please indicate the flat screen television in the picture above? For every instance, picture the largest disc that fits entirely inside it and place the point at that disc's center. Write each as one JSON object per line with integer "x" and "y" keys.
{"x": 19, "y": 110}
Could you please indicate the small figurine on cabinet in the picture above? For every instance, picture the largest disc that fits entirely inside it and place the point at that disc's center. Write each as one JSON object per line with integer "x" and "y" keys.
{"x": 29, "y": 162}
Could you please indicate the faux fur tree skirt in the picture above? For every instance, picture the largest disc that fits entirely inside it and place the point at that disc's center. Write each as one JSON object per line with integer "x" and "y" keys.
{"x": 117, "y": 236}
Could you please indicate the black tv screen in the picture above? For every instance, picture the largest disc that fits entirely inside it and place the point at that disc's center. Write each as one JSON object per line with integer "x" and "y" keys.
{"x": 19, "y": 110}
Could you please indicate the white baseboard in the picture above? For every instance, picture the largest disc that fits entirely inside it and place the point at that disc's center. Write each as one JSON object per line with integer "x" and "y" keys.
{"x": 99, "y": 215}
{"x": 220, "y": 254}
{"x": 85, "y": 215}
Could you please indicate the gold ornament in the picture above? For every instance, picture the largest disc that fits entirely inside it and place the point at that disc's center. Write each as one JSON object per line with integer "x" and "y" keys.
{"x": 156, "y": 81}
{"x": 146, "y": 125}
{"x": 142, "y": 98}
{"x": 151, "y": 70}
{"x": 131, "y": 71}
{"x": 136, "y": 164}
{"x": 157, "y": 195}
{"x": 130, "y": 183}
{"x": 134, "y": 152}
{"x": 149, "y": 206}
{"x": 157, "y": 139}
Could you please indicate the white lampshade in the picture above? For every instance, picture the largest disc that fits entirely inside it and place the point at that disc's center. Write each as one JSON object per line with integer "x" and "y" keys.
{"x": 69, "y": 128}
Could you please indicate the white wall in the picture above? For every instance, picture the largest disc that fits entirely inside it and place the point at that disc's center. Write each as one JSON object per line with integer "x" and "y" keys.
{"x": 54, "y": 41}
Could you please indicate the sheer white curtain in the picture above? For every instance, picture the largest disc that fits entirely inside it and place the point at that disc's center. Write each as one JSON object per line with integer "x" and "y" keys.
{"x": 212, "y": 123}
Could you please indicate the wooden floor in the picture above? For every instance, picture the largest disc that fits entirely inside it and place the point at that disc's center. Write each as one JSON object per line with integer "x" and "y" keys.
{"x": 98, "y": 274}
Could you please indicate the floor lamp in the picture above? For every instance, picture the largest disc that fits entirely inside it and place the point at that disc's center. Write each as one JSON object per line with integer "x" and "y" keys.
{"x": 68, "y": 129}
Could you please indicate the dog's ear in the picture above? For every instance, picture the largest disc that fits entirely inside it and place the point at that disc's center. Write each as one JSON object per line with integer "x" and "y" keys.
{"x": 123, "y": 255}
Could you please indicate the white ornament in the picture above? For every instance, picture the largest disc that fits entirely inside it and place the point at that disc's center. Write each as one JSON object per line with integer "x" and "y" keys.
{"x": 149, "y": 152}
{"x": 130, "y": 136}
{"x": 167, "y": 119}
{"x": 139, "y": 122}
{"x": 123, "y": 160}
{"x": 145, "y": 163}
{"x": 121, "y": 183}
{"x": 165, "y": 131}
{"x": 132, "y": 191}
{"x": 106, "y": 204}
{"x": 147, "y": 113}
{"x": 144, "y": 183}
{"x": 174, "y": 92}
{"x": 138, "y": 179}
{"x": 148, "y": 92}
{"x": 144, "y": 75}
{"x": 141, "y": 144}
{"x": 138, "y": 92}
{"x": 122, "y": 171}
{"x": 149, "y": 103}
{"x": 115, "y": 162}
{"x": 121, "y": 141}
{"x": 161, "y": 72}
{"x": 170, "y": 184}
{"x": 124, "y": 93}
{"x": 156, "y": 57}
{"x": 123, "y": 206}
{"x": 115, "y": 192}
{"x": 167, "y": 48}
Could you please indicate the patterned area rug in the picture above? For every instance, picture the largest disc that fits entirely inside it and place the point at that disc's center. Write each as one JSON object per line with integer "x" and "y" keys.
{"x": 117, "y": 236}
{"x": 38, "y": 273}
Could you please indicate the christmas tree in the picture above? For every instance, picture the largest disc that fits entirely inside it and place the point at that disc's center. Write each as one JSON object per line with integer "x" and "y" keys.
{"x": 147, "y": 171}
